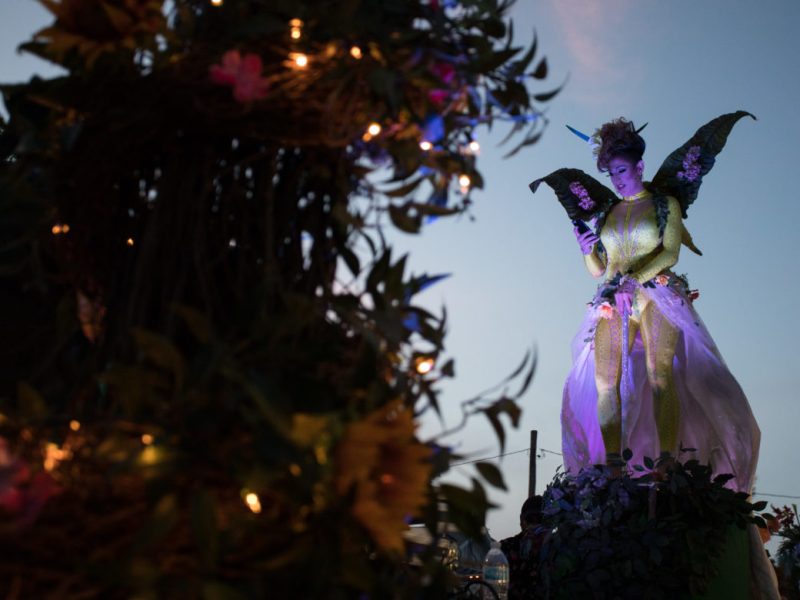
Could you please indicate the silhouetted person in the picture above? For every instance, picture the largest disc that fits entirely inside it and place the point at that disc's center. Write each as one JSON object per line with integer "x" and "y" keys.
{"x": 522, "y": 551}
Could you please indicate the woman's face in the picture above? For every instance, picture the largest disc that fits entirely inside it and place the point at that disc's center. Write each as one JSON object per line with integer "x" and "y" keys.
{"x": 626, "y": 175}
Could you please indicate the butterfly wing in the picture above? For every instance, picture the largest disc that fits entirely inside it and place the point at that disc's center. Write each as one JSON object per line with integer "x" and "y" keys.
{"x": 581, "y": 195}
{"x": 681, "y": 174}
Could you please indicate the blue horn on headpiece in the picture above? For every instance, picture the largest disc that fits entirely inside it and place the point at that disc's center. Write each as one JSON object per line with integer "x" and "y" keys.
{"x": 583, "y": 136}
{"x": 586, "y": 138}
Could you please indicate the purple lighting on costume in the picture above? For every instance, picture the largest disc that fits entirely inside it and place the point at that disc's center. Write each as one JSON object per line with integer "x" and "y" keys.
{"x": 584, "y": 200}
{"x": 691, "y": 170}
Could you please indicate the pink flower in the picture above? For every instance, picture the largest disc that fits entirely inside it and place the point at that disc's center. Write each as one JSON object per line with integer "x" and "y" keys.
{"x": 438, "y": 97}
{"x": 22, "y": 495}
{"x": 444, "y": 71}
{"x": 243, "y": 73}
{"x": 662, "y": 279}
{"x": 693, "y": 295}
{"x": 606, "y": 310}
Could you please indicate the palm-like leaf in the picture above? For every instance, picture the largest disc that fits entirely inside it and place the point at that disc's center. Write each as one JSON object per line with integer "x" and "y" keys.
{"x": 675, "y": 176}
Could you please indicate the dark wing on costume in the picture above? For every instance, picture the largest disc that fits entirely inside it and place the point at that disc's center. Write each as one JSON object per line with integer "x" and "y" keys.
{"x": 682, "y": 172}
{"x": 581, "y": 195}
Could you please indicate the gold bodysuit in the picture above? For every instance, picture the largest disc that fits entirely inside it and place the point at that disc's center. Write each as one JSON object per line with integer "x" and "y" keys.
{"x": 634, "y": 247}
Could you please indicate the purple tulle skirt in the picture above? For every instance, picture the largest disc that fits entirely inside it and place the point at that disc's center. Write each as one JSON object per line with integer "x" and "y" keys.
{"x": 715, "y": 417}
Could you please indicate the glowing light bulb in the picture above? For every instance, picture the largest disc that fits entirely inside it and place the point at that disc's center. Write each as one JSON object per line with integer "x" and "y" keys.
{"x": 356, "y": 53}
{"x": 300, "y": 60}
{"x": 464, "y": 181}
{"x": 296, "y": 29}
{"x": 59, "y": 228}
{"x": 74, "y": 425}
{"x": 56, "y": 229}
{"x": 147, "y": 439}
{"x": 425, "y": 145}
{"x": 424, "y": 365}
{"x": 474, "y": 146}
{"x": 216, "y": 2}
{"x": 129, "y": 242}
{"x": 54, "y": 455}
{"x": 374, "y": 129}
{"x": 149, "y": 455}
{"x": 253, "y": 503}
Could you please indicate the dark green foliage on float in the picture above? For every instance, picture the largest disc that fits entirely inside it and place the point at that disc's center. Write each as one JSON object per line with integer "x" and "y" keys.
{"x": 651, "y": 530}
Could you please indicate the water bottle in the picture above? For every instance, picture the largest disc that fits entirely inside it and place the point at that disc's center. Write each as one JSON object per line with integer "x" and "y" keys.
{"x": 495, "y": 571}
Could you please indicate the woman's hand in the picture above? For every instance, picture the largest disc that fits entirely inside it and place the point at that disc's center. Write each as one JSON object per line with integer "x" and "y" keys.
{"x": 587, "y": 240}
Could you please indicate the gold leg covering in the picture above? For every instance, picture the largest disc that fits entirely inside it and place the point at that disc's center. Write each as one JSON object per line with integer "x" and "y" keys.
{"x": 659, "y": 338}
{"x": 608, "y": 368}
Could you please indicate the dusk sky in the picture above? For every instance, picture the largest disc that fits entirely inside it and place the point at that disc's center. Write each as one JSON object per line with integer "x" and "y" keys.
{"x": 518, "y": 276}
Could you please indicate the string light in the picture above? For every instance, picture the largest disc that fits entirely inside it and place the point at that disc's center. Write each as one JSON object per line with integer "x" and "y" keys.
{"x": 149, "y": 455}
{"x": 147, "y": 439}
{"x": 216, "y": 2}
{"x": 373, "y": 129}
{"x": 474, "y": 146}
{"x": 296, "y": 29}
{"x": 425, "y": 145}
{"x": 356, "y": 53}
{"x": 464, "y": 181}
{"x": 60, "y": 228}
{"x": 53, "y": 456}
{"x": 424, "y": 365}
{"x": 74, "y": 425}
{"x": 299, "y": 59}
{"x": 252, "y": 501}
{"x": 129, "y": 242}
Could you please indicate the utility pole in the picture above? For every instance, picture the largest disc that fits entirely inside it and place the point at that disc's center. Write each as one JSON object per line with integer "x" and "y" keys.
{"x": 532, "y": 465}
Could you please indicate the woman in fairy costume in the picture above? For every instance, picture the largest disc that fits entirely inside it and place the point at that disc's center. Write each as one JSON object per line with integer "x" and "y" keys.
{"x": 646, "y": 375}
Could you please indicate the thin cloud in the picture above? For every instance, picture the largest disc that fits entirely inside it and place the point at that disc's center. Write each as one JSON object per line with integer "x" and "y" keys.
{"x": 590, "y": 31}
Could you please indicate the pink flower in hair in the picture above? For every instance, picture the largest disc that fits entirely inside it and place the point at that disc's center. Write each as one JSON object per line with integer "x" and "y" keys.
{"x": 243, "y": 74}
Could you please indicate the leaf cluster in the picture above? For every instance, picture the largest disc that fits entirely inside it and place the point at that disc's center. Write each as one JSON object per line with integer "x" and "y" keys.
{"x": 198, "y": 298}
{"x": 651, "y": 530}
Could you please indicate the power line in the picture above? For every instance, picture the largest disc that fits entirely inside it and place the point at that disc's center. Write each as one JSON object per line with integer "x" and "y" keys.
{"x": 776, "y": 495}
{"x": 477, "y": 460}
{"x": 550, "y": 452}
{"x": 545, "y": 450}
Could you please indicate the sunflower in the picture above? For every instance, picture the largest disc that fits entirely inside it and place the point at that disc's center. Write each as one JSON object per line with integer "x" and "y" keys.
{"x": 94, "y": 27}
{"x": 389, "y": 469}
